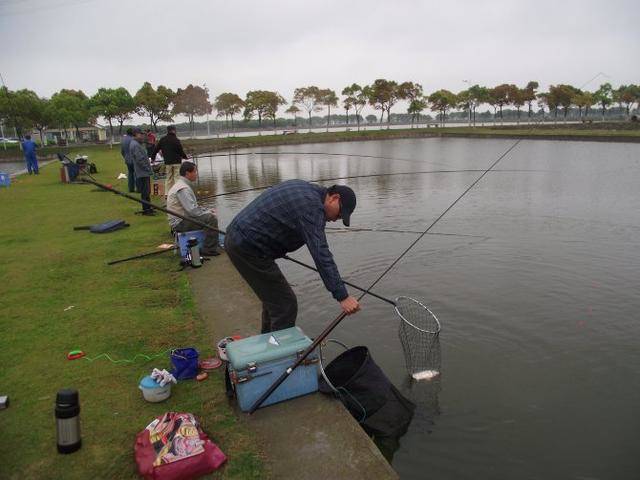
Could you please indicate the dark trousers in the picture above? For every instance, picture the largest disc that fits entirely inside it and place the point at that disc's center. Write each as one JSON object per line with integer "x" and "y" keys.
{"x": 279, "y": 303}
{"x": 131, "y": 178}
{"x": 210, "y": 236}
{"x": 32, "y": 165}
{"x": 144, "y": 187}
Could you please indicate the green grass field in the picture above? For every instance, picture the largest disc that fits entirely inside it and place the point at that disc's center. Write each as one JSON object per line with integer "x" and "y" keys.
{"x": 137, "y": 307}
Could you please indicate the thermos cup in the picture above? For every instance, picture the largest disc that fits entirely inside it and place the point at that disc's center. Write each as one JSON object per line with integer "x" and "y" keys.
{"x": 194, "y": 252}
{"x": 67, "y": 413}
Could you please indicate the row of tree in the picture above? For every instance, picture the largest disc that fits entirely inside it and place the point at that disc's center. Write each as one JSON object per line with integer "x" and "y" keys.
{"x": 66, "y": 109}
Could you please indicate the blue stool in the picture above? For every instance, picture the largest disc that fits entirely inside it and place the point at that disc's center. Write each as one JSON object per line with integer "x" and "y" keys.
{"x": 5, "y": 179}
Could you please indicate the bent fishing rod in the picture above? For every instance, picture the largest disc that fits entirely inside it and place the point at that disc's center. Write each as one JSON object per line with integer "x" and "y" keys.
{"x": 320, "y": 338}
{"x": 209, "y": 227}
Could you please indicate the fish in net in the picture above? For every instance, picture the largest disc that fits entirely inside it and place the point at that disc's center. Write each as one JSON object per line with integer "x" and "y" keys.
{"x": 419, "y": 331}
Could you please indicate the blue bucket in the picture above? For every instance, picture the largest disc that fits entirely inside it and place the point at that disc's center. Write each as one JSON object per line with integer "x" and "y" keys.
{"x": 185, "y": 363}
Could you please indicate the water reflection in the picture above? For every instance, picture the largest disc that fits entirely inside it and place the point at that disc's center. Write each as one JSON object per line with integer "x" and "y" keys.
{"x": 533, "y": 275}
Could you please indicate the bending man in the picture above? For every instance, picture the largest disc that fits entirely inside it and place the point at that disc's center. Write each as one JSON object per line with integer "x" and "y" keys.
{"x": 182, "y": 200}
{"x": 281, "y": 220}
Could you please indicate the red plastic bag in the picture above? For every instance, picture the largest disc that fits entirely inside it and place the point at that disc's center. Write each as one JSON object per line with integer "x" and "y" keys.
{"x": 174, "y": 447}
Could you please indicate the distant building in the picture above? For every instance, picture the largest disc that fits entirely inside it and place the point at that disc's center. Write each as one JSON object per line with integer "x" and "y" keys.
{"x": 88, "y": 134}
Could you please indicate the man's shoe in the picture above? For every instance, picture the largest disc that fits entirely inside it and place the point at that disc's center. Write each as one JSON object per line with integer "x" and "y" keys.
{"x": 149, "y": 213}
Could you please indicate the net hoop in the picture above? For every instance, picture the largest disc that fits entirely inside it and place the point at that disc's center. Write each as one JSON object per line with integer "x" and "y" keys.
{"x": 405, "y": 320}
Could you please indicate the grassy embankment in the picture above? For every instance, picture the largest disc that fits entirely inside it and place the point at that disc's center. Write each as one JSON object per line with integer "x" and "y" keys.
{"x": 137, "y": 307}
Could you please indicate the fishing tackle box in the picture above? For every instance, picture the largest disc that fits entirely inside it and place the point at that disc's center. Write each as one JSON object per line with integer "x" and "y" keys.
{"x": 256, "y": 362}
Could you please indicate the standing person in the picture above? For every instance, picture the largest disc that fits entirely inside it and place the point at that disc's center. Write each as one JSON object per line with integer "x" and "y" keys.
{"x": 279, "y": 221}
{"x": 29, "y": 149}
{"x": 173, "y": 154}
{"x": 124, "y": 151}
{"x": 142, "y": 168}
{"x": 151, "y": 141}
{"x": 182, "y": 199}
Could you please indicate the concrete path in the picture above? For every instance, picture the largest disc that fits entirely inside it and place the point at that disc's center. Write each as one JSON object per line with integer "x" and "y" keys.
{"x": 311, "y": 437}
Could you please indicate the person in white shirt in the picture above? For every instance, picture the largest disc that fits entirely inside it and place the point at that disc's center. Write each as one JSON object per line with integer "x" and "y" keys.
{"x": 182, "y": 199}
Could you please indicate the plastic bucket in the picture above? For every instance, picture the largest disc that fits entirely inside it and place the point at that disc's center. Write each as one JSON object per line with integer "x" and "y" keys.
{"x": 152, "y": 391}
{"x": 185, "y": 363}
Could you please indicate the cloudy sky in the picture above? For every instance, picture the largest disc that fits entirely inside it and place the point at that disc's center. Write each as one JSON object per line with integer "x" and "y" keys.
{"x": 241, "y": 45}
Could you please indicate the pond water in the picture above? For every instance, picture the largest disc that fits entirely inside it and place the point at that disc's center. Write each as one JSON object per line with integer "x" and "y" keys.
{"x": 534, "y": 276}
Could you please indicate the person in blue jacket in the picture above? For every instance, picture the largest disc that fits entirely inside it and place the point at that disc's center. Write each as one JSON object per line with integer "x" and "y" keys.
{"x": 29, "y": 150}
{"x": 281, "y": 220}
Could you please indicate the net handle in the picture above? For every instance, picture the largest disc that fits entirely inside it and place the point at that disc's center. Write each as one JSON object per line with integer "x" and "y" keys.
{"x": 322, "y": 372}
{"x": 411, "y": 324}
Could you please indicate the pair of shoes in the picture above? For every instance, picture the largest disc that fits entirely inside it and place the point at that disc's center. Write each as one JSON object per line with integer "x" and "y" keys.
{"x": 149, "y": 213}
{"x": 212, "y": 253}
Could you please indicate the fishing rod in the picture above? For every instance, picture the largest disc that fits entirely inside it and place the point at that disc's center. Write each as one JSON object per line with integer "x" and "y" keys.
{"x": 209, "y": 227}
{"x": 371, "y": 175}
{"x": 142, "y": 255}
{"x": 320, "y": 338}
{"x": 330, "y": 154}
{"x": 332, "y": 179}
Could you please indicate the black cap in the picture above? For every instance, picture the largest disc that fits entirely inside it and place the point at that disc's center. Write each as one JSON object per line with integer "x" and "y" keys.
{"x": 67, "y": 396}
{"x": 171, "y": 128}
{"x": 137, "y": 131}
{"x": 347, "y": 202}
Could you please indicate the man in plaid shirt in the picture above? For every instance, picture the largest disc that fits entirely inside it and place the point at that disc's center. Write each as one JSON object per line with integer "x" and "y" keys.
{"x": 281, "y": 220}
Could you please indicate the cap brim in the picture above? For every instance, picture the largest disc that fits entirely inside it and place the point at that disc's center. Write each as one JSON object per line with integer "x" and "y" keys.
{"x": 346, "y": 219}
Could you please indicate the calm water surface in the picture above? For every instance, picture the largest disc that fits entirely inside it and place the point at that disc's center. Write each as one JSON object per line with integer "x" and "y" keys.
{"x": 534, "y": 276}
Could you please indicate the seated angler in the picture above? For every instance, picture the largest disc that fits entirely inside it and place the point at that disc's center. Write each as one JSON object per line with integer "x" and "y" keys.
{"x": 182, "y": 199}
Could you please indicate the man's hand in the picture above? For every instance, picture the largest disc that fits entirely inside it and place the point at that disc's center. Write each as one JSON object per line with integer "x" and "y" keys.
{"x": 350, "y": 305}
{"x": 213, "y": 210}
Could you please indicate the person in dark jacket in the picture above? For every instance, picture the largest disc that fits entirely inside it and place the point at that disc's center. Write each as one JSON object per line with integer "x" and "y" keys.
{"x": 142, "y": 166}
{"x": 124, "y": 151}
{"x": 281, "y": 220}
{"x": 29, "y": 149}
{"x": 173, "y": 154}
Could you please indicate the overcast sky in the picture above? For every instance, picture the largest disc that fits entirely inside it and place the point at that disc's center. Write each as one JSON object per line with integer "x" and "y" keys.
{"x": 239, "y": 45}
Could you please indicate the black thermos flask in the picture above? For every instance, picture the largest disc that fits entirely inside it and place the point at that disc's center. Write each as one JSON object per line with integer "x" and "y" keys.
{"x": 68, "y": 421}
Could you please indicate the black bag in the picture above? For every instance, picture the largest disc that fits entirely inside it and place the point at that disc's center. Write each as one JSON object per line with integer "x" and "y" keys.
{"x": 368, "y": 394}
{"x": 106, "y": 227}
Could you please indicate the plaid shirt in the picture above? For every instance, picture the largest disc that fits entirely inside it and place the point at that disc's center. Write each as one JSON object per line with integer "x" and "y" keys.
{"x": 283, "y": 219}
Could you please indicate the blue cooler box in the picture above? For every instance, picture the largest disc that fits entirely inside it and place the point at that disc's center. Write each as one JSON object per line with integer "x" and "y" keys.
{"x": 256, "y": 362}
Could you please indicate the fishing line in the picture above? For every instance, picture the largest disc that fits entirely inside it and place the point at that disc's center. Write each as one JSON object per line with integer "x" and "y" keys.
{"x": 371, "y": 175}
{"x": 411, "y": 308}
{"x": 395, "y": 262}
{"x": 331, "y": 154}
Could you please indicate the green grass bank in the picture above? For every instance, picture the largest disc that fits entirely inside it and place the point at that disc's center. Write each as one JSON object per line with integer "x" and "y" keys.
{"x": 57, "y": 294}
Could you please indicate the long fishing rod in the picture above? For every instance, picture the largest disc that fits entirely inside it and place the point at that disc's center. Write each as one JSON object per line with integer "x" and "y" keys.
{"x": 142, "y": 255}
{"x": 209, "y": 227}
{"x": 330, "y": 154}
{"x": 371, "y": 175}
{"x": 333, "y": 179}
{"x": 320, "y": 338}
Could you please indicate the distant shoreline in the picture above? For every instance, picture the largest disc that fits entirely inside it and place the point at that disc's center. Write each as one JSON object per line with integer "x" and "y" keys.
{"x": 631, "y": 135}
